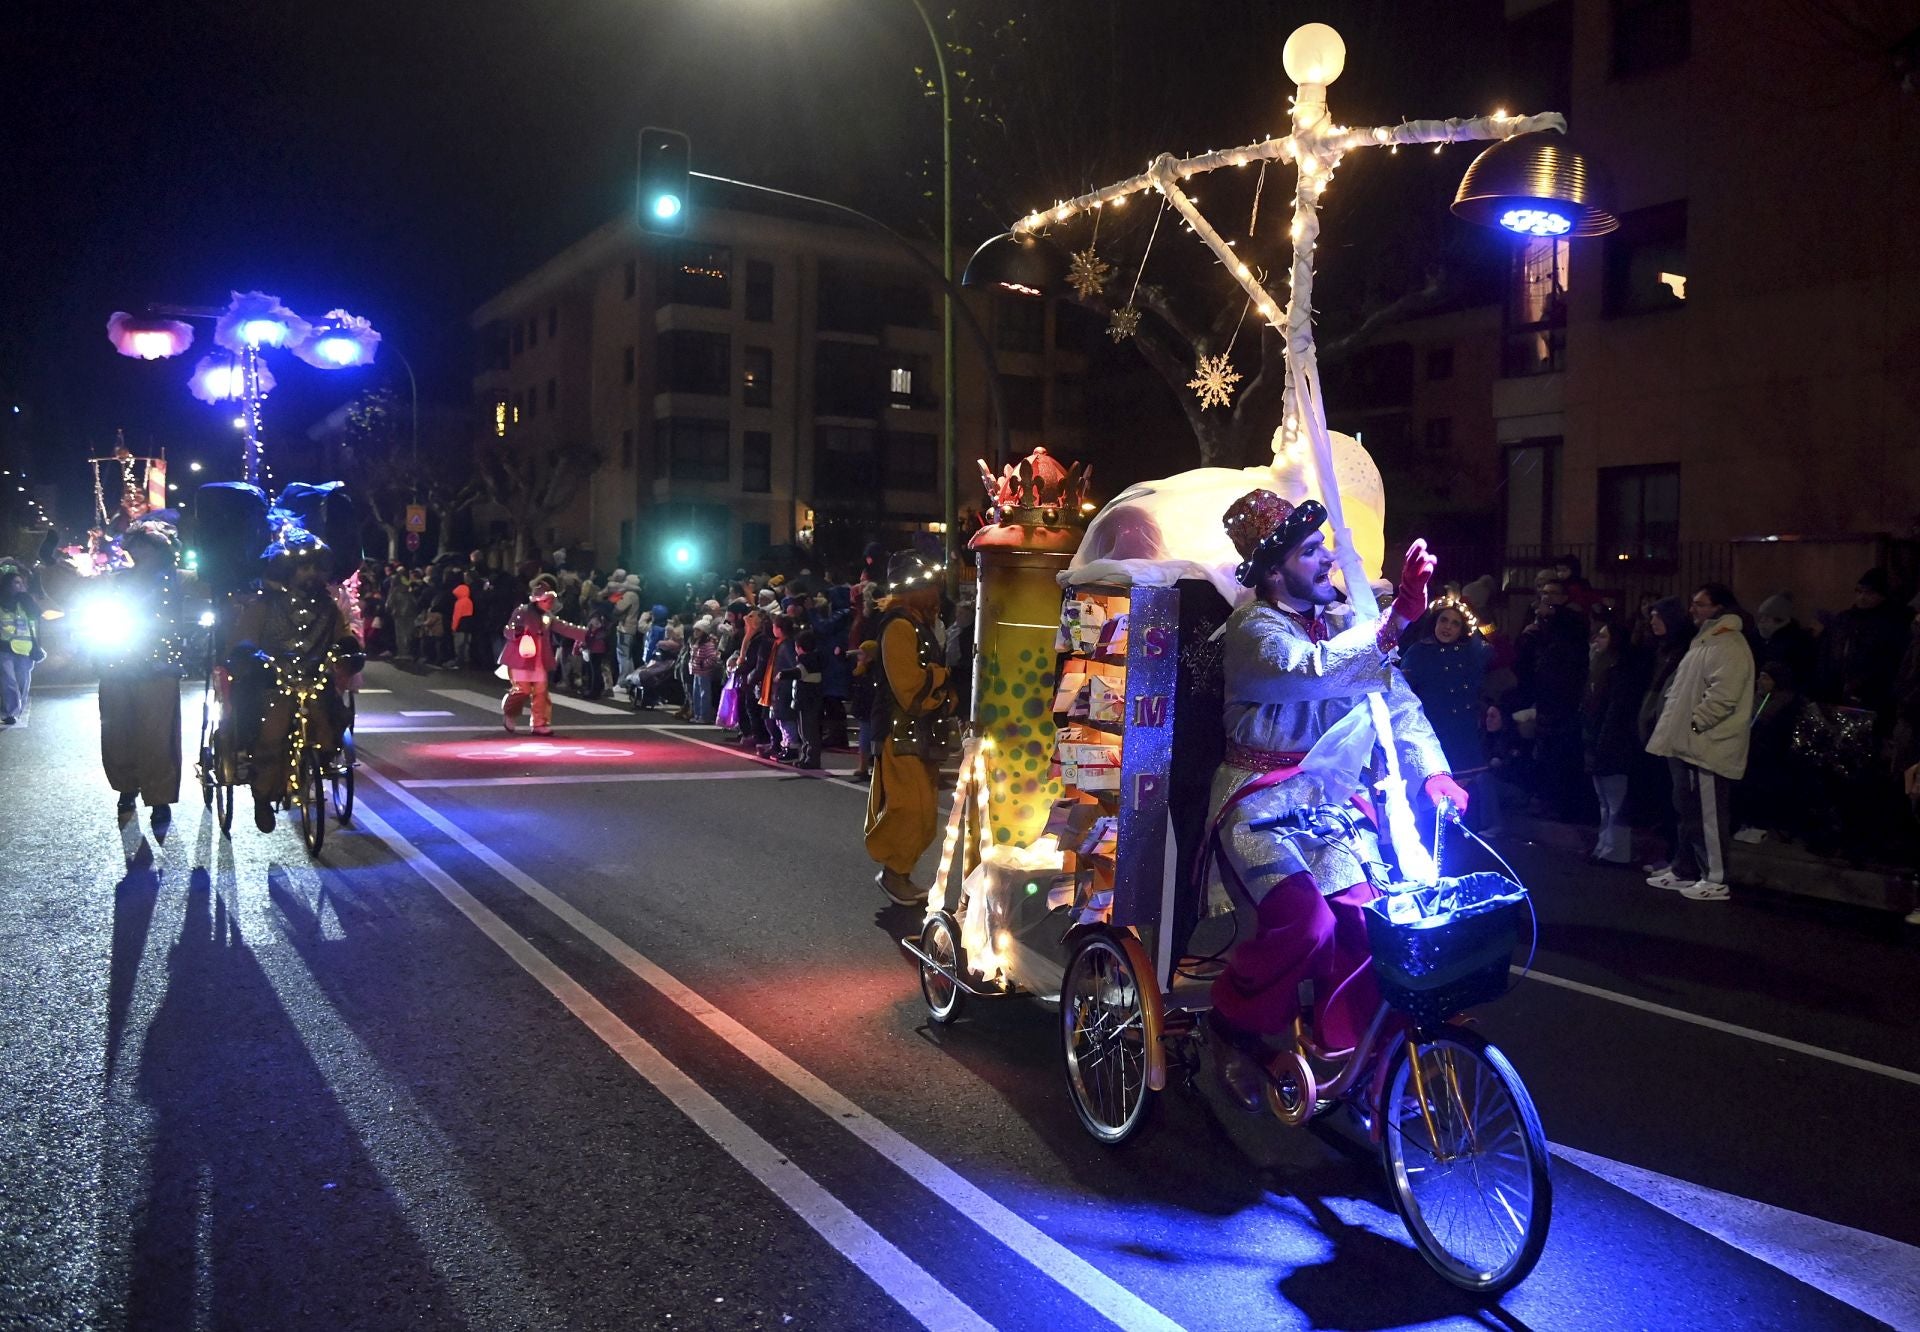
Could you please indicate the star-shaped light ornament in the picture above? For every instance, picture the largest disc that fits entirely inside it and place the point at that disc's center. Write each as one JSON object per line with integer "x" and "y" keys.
{"x": 1124, "y": 324}
{"x": 1088, "y": 273}
{"x": 1213, "y": 379}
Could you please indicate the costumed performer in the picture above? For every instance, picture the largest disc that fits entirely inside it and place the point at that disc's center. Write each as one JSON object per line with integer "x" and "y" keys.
{"x": 528, "y": 655}
{"x": 911, "y": 696}
{"x": 1297, "y": 663}
{"x": 140, "y": 675}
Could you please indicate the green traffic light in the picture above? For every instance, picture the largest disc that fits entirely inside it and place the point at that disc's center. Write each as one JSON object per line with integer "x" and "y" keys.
{"x": 666, "y": 207}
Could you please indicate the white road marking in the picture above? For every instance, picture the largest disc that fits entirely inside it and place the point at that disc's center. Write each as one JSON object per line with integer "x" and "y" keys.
{"x": 423, "y": 713}
{"x": 902, "y": 1279}
{"x": 591, "y": 779}
{"x": 1731, "y": 1029}
{"x": 1094, "y": 1287}
{"x": 1874, "y": 1274}
{"x": 734, "y": 751}
{"x": 473, "y": 697}
{"x": 373, "y": 691}
{"x": 584, "y": 705}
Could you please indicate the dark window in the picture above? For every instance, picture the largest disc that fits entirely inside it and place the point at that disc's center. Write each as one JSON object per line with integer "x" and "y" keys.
{"x": 694, "y": 274}
{"x": 626, "y": 365}
{"x": 696, "y": 449}
{"x": 1639, "y": 518}
{"x": 1440, "y": 434}
{"x": 759, "y": 290}
{"x": 1646, "y": 261}
{"x": 1020, "y": 324}
{"x": 756, "y": 376}
{"x": 553, "y": 321}
{"x": 626, "y": 450}
{"x": 632, "y": 278}
{"x": 519, "y": 338}
{"x": 533, "y": 400}
{"x": 853, "y": 301}
{"x": 912, "y": 460}
{"x": 1532, "y": 467}
{"x": 1650, "y": 35}
{"x": 1026, "y": 400}
{"x": 1535, "y": 341}
{"x": 847, "y": 379}
{"x": 693, "y": 362}
{"x": 1439, "y": 363}
{"x": 553, "y": 394}
{"x": 756, "y": 461}
{"x": 533, "y": 330}
{"x": 846, "y": 463}
{"x": 754, "y": 540}
{"x": 845, "y": 441}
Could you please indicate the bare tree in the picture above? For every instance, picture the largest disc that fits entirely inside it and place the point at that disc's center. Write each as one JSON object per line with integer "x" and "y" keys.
{"x": 532, "y": 485}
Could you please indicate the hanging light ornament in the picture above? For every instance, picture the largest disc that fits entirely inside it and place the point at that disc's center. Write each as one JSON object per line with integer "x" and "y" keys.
{"x": 254, "y": 320}
{"x": 339, "y": 342}
{"x": 222, "y": 379}
{"x": 147, "y": 339}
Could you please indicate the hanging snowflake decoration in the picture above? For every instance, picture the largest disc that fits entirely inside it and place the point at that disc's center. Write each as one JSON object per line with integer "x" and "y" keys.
{"x": 1213, "y": 379}
{"x": 1088, "y": 273}
{"x": 1124, "y": 324}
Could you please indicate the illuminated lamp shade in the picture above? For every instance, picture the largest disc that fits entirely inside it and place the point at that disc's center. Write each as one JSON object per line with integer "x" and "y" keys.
{"x": 254, "y": 320}
{"x": 221, "y": 379}
{"x": 339, "y": 342}
{"x": 1537, "y": 185}
{"x": 1022, "y": 264}
{"x": 147, "y": 339}
{"x": 1314, "y": 54}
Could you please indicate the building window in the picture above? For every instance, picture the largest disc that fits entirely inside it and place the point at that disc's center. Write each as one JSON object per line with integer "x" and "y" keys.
{"x": 755, "y": 538}
{"x": 1026, "y": 401}
{"x": 632, "y": 278}
{"x": 519, "y": 338}
{"x": 912, "y": 460}
{"x": 1646, "y": 262}
{"x": 500, "y": 417}
{"x": 855, "y": 300}
{"x": 1639, "y": 516}
{"x": 846, "y": 463}
{"x": 1532, "y": 467}
{"x": 756, "y": 376}
{"x": 846, "y": 379}
{"x": 1535, "y": 342}
{"x": 756, "y": 461}
{"x": 910, "y": 383}
{"x": 694, "y": 362}
{"x": 759, "y": 290}
{"x": 533, "y": 331}
{"x": 626, "y": 365}
{"x": 1650, "y": 35}
{"x": 553, "y": 321}
{"x": 1439, "y": 363}
{"x": 532, "y": 399}
{"x": 1020, "y": 324}
{"x": 693, "y": 274}
{"x": 553, "y": 394}
{"x": 1439, "y": 434}
{"x": 696, "y": 449}
{"x": 626, "y": 450}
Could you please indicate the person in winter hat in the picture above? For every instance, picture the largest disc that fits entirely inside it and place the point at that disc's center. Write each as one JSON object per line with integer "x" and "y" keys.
{"x": 529, "y": 658}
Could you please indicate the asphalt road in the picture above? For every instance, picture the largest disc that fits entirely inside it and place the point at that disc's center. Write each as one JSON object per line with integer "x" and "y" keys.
{"x": 610, "y": 1031}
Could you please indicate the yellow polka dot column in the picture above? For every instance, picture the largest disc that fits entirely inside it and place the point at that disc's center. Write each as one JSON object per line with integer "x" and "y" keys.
{"x": 1016, "y": 618}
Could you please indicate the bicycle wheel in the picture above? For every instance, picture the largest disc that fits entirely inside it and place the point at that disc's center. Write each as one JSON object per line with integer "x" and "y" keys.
{"x": 223, "y": 804}
{"x": 940, "y": 940}
{"x": 1103, "y": 1036}
{"x": 340, "y": 779}
{"x": 1466, "y": 1160}
{"x": 312, "y": 802}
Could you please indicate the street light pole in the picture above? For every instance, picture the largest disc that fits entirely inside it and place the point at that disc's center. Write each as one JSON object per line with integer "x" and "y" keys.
{"x": 951, "y": 513}
{"x": 414, "y": 385}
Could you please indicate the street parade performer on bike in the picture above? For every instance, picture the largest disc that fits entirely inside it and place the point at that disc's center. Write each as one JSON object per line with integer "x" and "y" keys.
{"x": 288, "y": 640}
{"x": 912, "y": 699}
{"x": 528, "y": 657}
{"x": 1297, "y": 663}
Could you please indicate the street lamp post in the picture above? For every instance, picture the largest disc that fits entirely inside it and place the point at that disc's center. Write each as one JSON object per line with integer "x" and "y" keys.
{"x": 949, "y": 510}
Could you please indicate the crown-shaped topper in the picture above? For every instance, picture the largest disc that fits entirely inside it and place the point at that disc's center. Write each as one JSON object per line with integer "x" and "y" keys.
{"x": 1038, "y": 489}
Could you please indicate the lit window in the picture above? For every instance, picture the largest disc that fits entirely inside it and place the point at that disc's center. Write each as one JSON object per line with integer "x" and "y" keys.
{"x": 500, "y": 417}
{"x": 900, "y": 381}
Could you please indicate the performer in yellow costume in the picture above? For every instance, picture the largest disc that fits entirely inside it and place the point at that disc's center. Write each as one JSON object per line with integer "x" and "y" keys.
{"x": 912, "y": 701}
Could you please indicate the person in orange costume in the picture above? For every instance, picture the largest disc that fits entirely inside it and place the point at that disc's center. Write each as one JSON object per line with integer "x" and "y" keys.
{"x": 911, "y": 698}
{"x": 530, "y": 671}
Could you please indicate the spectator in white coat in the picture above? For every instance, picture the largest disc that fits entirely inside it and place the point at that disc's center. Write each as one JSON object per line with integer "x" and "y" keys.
{"x": 1702, "y": 733}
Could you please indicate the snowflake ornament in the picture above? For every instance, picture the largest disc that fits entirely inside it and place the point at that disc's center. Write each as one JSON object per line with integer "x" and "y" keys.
{"x": 1124, "y": 324}
{"x": 1088, "y": 273}
{"x": 1213, "y": 379}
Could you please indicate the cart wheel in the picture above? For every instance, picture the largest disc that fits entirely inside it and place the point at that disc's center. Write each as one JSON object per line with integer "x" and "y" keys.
{"x": 312, "y": 803}
{"x": 1103, "y": 1031}
{"x": 1466, "y": 1160}
{"x": 940, "y": 940}
{"x": 223, "y": 804}
{"x": 341, "y": 780}
{"x": 206, "y": 772}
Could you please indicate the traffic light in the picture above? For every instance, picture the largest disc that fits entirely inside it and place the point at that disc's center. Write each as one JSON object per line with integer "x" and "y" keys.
{"x": 666, "y": 158}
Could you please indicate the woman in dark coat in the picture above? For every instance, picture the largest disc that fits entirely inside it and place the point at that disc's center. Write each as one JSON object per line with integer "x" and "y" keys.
{"x": 1448, "y": 671}
{"x": 1610, "y": 738}
{"x": 1669, "y": 631}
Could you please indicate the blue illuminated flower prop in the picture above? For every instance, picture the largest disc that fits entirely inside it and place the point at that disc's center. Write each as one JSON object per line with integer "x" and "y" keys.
{"x": 255, "y": 320}
{"x": 339, "y": 342}
{"x": 147, "y": 339}
{"x": 221, "y": 379}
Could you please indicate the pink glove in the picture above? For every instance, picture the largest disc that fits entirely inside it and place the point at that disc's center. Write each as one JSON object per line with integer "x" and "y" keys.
{"x": 1441, "y": 788}
{"x": 1410, "y": 601}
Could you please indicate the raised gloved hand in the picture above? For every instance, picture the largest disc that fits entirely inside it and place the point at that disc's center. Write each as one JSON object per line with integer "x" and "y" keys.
{"x": 1441, "y": 788}
{"x": 1410, "y": 600}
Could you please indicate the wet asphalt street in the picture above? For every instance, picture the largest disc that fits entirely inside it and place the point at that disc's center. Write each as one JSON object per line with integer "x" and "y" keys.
{"x": 611, "y": 1031}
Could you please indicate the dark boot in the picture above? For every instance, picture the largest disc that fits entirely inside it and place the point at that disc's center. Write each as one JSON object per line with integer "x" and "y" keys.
{"x": 1235, "y": 1066}
{"x": 263, "y": 815}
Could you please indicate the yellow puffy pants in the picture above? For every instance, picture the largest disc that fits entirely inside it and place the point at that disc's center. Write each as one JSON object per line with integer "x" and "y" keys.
{"x": 901, "y": 817}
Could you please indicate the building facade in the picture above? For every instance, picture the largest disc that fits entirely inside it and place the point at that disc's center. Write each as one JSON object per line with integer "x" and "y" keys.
{"x": 763, "y": 382}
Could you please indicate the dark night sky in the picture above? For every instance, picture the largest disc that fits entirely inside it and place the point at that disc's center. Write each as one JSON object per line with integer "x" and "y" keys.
{"x": 405, "y": 158}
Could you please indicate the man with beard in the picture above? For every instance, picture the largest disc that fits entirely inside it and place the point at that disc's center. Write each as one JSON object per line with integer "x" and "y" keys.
{"x": 1297, "y": 664}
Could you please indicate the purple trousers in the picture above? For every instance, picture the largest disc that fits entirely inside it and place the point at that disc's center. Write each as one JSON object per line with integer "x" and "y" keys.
{"x": 1302, "y": 935}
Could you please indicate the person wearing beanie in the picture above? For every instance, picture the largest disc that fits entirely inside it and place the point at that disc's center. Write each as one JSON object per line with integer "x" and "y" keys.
{"x": 461, "y": 624}
{"x": 1780, "y": 637}
{"x": 529, "y": 658}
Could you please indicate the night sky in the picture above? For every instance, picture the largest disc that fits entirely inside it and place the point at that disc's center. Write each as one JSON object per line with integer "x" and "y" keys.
{"x": 405, "y": 160}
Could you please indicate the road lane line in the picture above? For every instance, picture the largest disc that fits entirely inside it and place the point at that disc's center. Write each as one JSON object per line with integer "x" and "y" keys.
{"x": 362, "y": 726}
{"x": 898, "y": 1276}
{"x": 1731, "y": 1029}
{"x": 404, "y": 712}
{"x": 473, "y": 698}
{"x": 592, "y": 779}
{"x": 585, "y": 705}
{"x": 735, "y": 751}
{"x": 1092, "y": 1286}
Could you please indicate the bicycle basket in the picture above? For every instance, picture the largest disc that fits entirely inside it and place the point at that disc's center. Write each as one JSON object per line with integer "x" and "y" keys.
{"x": 1441, "y": 949}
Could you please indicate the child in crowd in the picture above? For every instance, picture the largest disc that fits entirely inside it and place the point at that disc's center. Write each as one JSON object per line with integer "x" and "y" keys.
{"x": 808, "y": 696}
{"x": 786, "y": 674}
{"x": 860, "y": 695}
{"x": 705, "y": 675}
